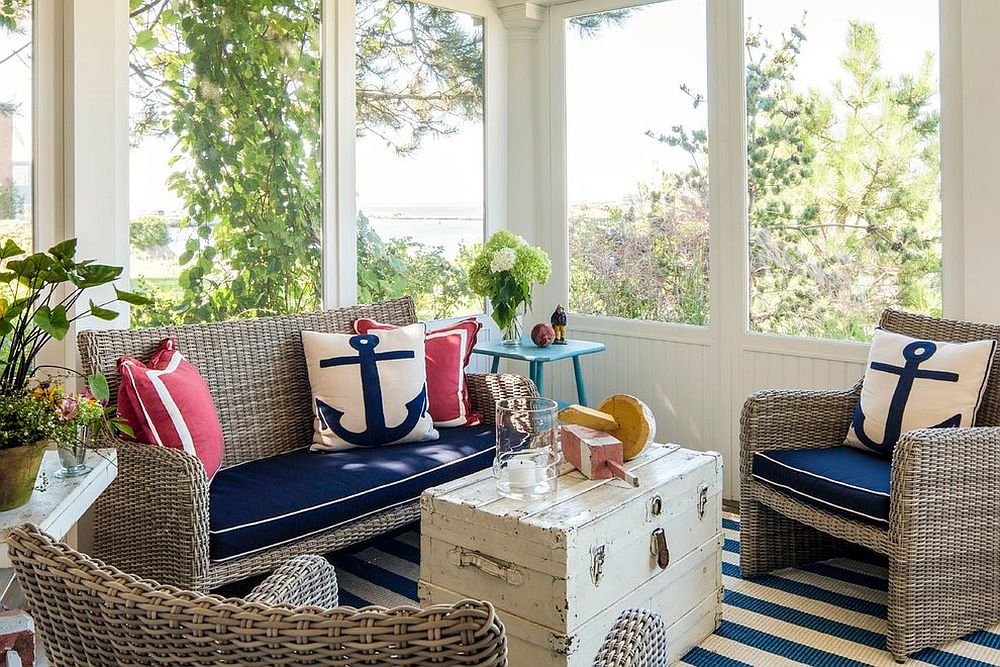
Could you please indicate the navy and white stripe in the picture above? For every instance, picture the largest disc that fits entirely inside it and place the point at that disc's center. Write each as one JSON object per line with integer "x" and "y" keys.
{"x": 825, "y": 614}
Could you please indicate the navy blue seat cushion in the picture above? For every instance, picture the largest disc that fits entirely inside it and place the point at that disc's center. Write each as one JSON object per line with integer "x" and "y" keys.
{"x": 265, "y": 503}
{"x": 841, "y": 480}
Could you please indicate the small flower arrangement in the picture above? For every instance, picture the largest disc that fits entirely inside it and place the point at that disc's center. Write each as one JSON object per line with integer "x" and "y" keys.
{"x": 75, "y": 411}
{"x": 505, "y": 270}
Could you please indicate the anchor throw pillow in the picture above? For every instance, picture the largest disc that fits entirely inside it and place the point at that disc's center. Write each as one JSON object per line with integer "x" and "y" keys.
{"x": 911, "y": 383}
{"x": 448, "y": 351}
{"x": 167, "y": 403}
{"x": 368, "y": 389}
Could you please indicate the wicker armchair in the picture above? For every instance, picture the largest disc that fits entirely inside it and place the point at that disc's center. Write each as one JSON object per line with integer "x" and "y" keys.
{"x": 943, "y": 537}
{"x": 154, "y": 519}
{"x": 88, "y": 613}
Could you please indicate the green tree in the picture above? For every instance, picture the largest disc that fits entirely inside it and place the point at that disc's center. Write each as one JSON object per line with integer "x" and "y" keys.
{"x": 844, "y": 190}
{"x": 238, "y": 85}
{"x": 843, "y": 202}
{"x": 149, "y": 232}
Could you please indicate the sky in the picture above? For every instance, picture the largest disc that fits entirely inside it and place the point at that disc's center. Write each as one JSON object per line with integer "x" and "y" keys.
{"x": 626, "y": 80}
{"x": 15, "y": 86}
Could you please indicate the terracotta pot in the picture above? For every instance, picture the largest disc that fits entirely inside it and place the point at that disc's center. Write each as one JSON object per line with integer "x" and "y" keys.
{"x": 18, "y": 472}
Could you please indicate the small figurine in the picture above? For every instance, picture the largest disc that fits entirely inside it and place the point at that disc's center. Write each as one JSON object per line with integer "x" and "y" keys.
{"x": 542, "y": 334}
{"x": 558, "y": 320}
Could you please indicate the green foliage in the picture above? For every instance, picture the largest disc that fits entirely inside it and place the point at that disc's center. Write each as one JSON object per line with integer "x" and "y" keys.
{"x": 505, "y": 270}
{"x": 25, "y": 420}
{"x": 389, "y": 269}
{"x": 843, "y": 194}
{"x": 39, "y": 294}
{"x": 647, "y": 261}
{"x": 13, "y": 14}
{"x": 845, "y": 214}
{"x": 11, "y": 203}
{"x": 238, "y": 84}
{"x": 148, "y": 232}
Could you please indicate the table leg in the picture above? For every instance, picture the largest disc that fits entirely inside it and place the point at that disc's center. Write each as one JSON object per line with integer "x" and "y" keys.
{"x": 581, "y": 389}
{"x": 539, "y": 379}
{"x": 496, "y": 365}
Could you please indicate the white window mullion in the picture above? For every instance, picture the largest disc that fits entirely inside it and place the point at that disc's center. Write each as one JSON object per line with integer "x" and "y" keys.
{"x": 727, "y": 211}
{"x": 339, "y": 250}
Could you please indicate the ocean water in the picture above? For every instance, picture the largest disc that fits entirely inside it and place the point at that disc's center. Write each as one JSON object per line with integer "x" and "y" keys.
{"x": 448, "y": 226}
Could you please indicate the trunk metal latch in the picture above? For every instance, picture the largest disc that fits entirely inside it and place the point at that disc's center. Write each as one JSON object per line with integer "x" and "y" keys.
{"x": 596, "y": 563}
{"x": 658, "y": 547}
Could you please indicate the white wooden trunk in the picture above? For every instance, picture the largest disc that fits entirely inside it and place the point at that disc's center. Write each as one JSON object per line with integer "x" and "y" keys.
{"x": 540, "y": 562}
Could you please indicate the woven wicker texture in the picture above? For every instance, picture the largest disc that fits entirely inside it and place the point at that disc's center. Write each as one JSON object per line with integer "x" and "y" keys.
{"x": 88, "y": 613}
{"x": 638, "y": 639}
{"x": 943, "y": 539}
{"x": 153, "y": 520}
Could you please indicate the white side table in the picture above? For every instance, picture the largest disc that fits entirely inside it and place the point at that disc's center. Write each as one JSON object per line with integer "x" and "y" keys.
{"x": 56, "y": 504}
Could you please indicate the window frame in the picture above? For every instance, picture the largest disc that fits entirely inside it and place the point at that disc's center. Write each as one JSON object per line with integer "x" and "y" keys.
{"x": 340, "y": 144}
{"x": 729, "y": 316}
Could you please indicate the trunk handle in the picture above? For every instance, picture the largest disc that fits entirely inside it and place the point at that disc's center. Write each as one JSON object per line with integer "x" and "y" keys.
{"x": 490, "y": 566}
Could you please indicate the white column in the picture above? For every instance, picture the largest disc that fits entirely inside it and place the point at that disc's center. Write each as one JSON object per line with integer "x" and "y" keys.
{"x": 95, "y": 97}
{"x": 81, "y": 142}
{"x": 522, "y": 22}
{"x": 527, "y": 157}
{"x": 980, "y": 161}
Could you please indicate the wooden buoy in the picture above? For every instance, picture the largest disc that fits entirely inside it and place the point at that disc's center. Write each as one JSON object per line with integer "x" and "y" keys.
{"x": 623, "y": 416}
{"x": 596, "y": 454}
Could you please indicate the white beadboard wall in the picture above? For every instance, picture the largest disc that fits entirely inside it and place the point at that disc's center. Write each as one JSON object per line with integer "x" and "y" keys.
{"x": 684, "y": 382}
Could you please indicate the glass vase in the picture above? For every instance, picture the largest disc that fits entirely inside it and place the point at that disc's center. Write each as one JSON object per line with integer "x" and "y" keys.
{"x": 512, "y": 332}
{"x": 72, "y": 455}
{"x": 527, "y": 458}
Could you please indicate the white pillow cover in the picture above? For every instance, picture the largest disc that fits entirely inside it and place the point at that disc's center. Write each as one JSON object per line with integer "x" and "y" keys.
{"x": 368, "y": 389}
{"x": 911, "y": 383}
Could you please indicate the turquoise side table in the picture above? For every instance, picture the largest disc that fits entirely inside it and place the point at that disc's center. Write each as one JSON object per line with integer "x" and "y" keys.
{"x": 537, "y": 357}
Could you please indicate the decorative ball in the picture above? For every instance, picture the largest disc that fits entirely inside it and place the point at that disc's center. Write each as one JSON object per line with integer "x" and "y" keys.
{"x": 542, "y": 334}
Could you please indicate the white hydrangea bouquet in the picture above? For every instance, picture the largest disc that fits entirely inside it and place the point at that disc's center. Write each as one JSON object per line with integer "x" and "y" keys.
{"x": 505, "y": 270}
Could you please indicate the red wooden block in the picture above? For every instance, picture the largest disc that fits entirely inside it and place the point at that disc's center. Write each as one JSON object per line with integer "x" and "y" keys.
{"x": 598, "y": 455}
{"x": 17, "y": 636}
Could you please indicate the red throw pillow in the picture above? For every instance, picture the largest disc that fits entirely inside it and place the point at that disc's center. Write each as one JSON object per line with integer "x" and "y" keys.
{"x": 448, "y": 351}
{"x": 167, "y": 403}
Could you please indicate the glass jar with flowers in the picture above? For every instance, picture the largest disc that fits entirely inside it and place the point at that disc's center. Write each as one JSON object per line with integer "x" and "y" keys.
{"x": 39, "y": 301}
{"x": 505, "y": 270}
{"x": 79, "y": 418}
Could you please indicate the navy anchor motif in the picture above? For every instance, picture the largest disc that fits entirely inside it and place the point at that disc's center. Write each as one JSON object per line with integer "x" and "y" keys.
{"x": 377, "y": 432}
{"x": 915, "y": 354}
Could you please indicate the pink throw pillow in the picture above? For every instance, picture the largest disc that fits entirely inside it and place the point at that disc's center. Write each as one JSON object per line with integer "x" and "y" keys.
{"x": 448, "y": 351}
{"x": 167, "y": 403}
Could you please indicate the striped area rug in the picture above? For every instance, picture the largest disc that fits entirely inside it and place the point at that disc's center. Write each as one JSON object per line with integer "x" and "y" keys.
{"x": 829, "y": 614}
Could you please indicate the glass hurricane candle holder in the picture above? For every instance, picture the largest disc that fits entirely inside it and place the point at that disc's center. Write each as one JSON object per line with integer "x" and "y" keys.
{"x": 527, "y": 458}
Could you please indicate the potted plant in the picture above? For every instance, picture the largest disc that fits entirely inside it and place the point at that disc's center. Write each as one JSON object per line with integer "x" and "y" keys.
{"x": 38, "y": 302}
{"x": 505, "y": 270}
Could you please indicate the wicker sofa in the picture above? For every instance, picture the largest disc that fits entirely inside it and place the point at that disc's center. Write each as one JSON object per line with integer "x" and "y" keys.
{"x": 942, "y": 530}
{"x": 89, "y": 613}
{"x": 161, "y": 519}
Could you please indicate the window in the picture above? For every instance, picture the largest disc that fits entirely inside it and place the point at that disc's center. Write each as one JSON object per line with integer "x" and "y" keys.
{"x": 225, "y": 194}
{"x": 15, "y": 123}
{"x": 420, "y": 153}
{"x": 637, "y": 163}
{"x": 843, "y": 163}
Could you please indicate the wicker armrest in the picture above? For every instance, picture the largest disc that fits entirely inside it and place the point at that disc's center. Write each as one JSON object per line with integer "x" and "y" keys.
{"x": 790, "y": 419}
{"x": 944, "y": 535}
{"x": 303, "y": 580}
{"x": 637, "y": 639}
{"x": 153, "y": 519}
{"x": 485, "y": 389}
